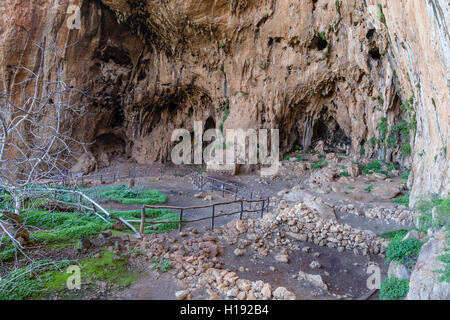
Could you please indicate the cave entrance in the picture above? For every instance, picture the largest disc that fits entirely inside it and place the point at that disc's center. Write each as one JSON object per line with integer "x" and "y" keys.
{"x": 107, "y": 148}
{"x": 327, "y": 129}
{"x": 210, "y": 123}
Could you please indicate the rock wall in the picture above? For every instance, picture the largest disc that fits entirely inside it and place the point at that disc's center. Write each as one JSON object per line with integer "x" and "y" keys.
{"x": 424, "y": 281}
{"x": 318, "y": 70}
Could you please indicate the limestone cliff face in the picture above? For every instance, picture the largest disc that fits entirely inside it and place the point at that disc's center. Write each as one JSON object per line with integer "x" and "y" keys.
{"x": 337, "y": 71}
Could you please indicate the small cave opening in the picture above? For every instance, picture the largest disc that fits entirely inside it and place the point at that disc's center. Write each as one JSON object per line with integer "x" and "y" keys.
{"x": 318, "y": 43}
{"x": 107, "y": 148}
{"x": 375, "y": 53}
{"x": 370, "y": 33}
{"x": 210, "y": 123}
{"x": 327, "y": 129}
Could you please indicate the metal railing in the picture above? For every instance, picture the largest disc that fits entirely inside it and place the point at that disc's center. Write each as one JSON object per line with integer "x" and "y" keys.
{"x": 259, "y": 206}
{"x": 205, "y": 183}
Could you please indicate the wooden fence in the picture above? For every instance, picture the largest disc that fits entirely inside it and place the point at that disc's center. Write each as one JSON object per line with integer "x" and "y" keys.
{"x": 260, "y": 206}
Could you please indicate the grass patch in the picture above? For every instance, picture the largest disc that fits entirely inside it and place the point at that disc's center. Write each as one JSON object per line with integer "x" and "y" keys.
{"x": 23, "y": 283}
{"x": 395, "y": 234}
{"x": 403, "y": 200}
{"x": 124, "y": 195}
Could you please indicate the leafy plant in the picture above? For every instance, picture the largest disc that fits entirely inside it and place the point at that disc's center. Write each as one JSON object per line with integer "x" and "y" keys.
{"x": 369, "y": 188}
{"x": 394, "y": 289}
{"x": 403, "y": 251}
{"x": 163, "y": 265}
{"x": 319, "y": 165}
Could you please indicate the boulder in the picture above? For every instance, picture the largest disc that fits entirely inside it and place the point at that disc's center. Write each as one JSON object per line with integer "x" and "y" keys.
{"x": 398, "y": 270}
{"x": 85, "y": 164}
{"x": 315, "y": 280}
{"x": 424, "y": 282}
{"x": 414, "y": 234}
{"x": 386, "y": 191}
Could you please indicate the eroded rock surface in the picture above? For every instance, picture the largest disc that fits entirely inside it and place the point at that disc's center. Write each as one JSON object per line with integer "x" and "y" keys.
{"x": 315, "y": 69}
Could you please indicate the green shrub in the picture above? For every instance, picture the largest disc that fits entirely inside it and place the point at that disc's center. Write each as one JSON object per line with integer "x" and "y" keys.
{"x": 394, "y": 289}
{"x": 445, "y": 258}
{"x": 405, "y": 252}
{"x": 375, "y": 166}
{"x": 369, "y": 188}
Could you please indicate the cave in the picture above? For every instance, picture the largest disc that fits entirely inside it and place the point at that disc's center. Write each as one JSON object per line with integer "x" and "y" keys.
{"x": 107, "y": 148}
{"x": 375, "y": 54}
{"x": 318, "y": 43}
{"x": 328, "y": 130}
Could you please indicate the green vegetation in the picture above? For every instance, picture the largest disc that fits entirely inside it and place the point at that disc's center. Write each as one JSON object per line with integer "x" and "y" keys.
{"x": 337, "y": 4}
{"x": 344, "y": 174}
{"x": 398, "y": 134}
{"x": 350, "y": 188}
{"x": 435, "y": 213}
{"x": 402, "y": 200}
{"x": 403, "y": 251}
{"x": 124, "y": 195}
{"x": 362, "y": 151}
{"x": 163, "y": 265}
{"x": 375, "y": 167}
{"x": 381, "y": 15}
{"x": 394, "y": 289}
{"x": 23, "y": 282}
{"x": 319, "y": 165}
{"x": 323, "y": 36}
{"x": 369, "y": 188}
{"x": 395, "y": 235}
{"x": 406, "y": 175}
{"x": 445, "y": 258}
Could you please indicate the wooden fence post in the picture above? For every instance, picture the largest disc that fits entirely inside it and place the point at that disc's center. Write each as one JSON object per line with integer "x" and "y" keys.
{"x": 79, "y": 202}
{"x": 262, "y": 208}
{"x": 223, "y": 191}
{"x": 212, "y": 218}
{"x": 181, "y": 220}
{"x": 242, "y": 209}
{"x": 141, "y": 229}
{"x": 268, "y": 204}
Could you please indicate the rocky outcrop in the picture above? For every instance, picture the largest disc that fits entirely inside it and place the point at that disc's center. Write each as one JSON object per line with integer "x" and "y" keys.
{"x": 324, "y": 70}
{"x": 424, "y": 282}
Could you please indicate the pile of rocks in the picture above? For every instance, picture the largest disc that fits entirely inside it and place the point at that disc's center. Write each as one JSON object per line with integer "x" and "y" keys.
{"x": 229, "y": 284}
{"x": 300, "y": 223}
{"x": 401, "y": 215}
